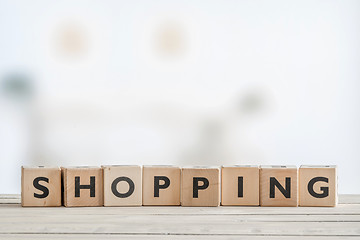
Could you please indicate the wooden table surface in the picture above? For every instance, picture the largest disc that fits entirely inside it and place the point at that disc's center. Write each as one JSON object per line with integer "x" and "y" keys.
{"x": 341, "y": 222}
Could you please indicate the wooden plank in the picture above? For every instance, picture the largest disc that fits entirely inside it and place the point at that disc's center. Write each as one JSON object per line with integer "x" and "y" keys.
{"x": 18, "y": 222}
{"x": 10, "y": 196}
{"x": 40, "y": 218}
{"x": 10, "y": 201}
{"x": 189, "y": 224}
{"x": 343, "y": 199}
{"x": 342, "y": 209}
{"x": 179, "y": 226}
{"x": 349, "y": 198}
{"x": 162, "y": 236}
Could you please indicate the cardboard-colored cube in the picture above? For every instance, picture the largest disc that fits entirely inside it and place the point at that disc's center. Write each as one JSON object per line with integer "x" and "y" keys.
{"x": 161, "y": 185}
{"x": 279, "y": 186}
{"x": 122, "y": 185}
{"x": 83, "y": 186}
{"x": 317, "y": 186}
{"x": 240, "y": 185}
{"x": 200, "y": 186}
{"x": 40, "y": 187}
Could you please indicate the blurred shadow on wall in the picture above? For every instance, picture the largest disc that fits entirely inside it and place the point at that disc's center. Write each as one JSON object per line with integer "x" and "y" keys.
{"x": 218, "y": 140}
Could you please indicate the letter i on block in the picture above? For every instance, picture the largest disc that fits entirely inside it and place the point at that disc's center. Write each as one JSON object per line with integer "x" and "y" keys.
{"x": 318, "y": 186}
{"x": 278, "y": 186}
{"x": 40, "y": 187}
{"x": 240, "y": 185}
{"x": 200, "y": 186}
{"x": 161, "y": 185}
{"x": 83, "y": 186}
{"x": 122, "y": 185}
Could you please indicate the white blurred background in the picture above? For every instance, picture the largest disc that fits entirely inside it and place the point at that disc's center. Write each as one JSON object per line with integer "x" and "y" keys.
{"x": 179, "y": 82}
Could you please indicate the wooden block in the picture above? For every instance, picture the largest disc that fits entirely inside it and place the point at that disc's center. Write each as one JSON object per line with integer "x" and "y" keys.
{"x": 122, "y": 185}
{"x": 200, "y": 186}
{"x": 161, "y": 185}
{"x": 83, "y": 186}
{"x": 318, "y": 186}
{"x": 279, "y": 186}
{"x": 40, "y": 186}
{"x": 240, "y": 185}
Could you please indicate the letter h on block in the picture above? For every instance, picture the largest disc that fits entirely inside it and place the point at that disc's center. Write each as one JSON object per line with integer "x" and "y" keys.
{"x": 40, "y": 187}
{"x": 279, "y": 186}
{"x": 318, "y": 186}
{"x": 83, "y": 186}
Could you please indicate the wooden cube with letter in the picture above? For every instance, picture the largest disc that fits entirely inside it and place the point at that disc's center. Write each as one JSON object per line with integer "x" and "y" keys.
{"x": 40, "y": 186}
{"x": 318, "y": 186}
{"x": 240, "y": 185}
{"x": 122, "y": 185}
{"x": 83, "y": 186}
{"x": 200, "y": 186}
{"x": 279, "y": 186}
{"x": 161, "y": 185}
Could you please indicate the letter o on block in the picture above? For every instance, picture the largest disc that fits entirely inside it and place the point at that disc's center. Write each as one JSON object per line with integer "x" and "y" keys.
{"x": 122, "y": 185}
{"x": 279, "y": 186}
{"x": 200, "y": 186}
{"x": 40, "y": 187}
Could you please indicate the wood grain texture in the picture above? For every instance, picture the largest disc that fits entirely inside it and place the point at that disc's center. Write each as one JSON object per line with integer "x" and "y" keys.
{"x": 249, "y": 193}
{"x": 86, "y": 197}
{"x": 270, "y": 195}
{"x": 165, "y": 236}
{"x": 209, "y": 195}
{"x": 49, "y": 178}
{"x": 127, "y": 181}
{"x": 177, "y": 222}
{"x": 165, "y": 195}
{"x": 324, "y": 189}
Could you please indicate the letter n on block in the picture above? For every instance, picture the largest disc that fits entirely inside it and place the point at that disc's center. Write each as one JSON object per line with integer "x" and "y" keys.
{"x": 279, "y": 186}
{"x": 83, "y": 186}
{"x": 122, "y": 185}
{"x": 40, "y": 187}
{"x": 200, "y": 186}
{"x": 318, "y": 186}
{"x": 161, "y": 185}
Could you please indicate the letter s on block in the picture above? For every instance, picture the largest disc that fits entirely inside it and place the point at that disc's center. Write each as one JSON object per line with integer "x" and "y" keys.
{"x": 40, "y": 187}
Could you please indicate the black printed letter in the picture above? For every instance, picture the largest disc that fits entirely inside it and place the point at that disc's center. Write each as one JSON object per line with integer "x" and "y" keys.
{"x": 325, "y": 190}
{"x": 196, "y": 186}
{"x": 285, "y": 192}
{"x": 122, "y": 195}
{"x": 42, "y": 188}
{"x": 157, "y": 185}
{"x": 91, "y": 186}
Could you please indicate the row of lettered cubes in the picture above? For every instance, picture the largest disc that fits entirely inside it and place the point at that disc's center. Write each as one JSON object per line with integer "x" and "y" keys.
{"x": 123, "y": 185}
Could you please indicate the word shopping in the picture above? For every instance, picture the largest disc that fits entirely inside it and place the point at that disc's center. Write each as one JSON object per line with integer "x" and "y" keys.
{"x": 126, "y": 185}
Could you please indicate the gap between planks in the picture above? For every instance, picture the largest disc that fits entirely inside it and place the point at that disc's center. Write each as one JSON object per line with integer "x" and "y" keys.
{"x": 162, "y": 236}
{"x": 343, "y": 199}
